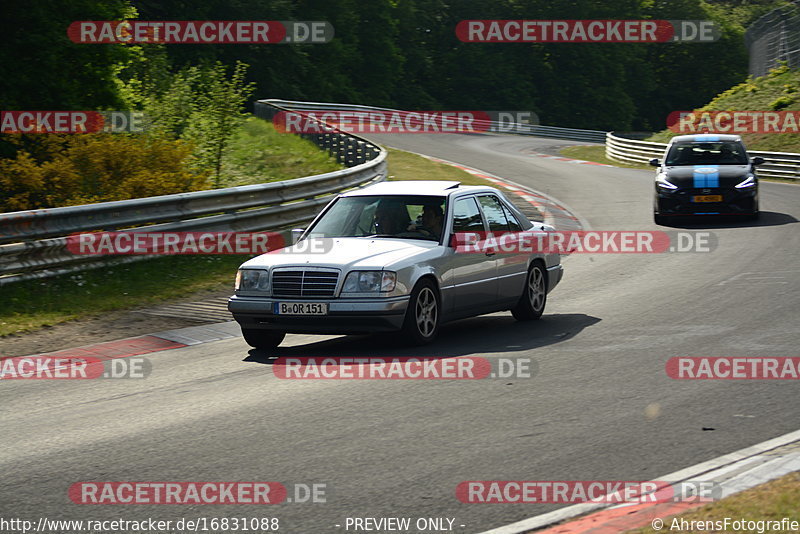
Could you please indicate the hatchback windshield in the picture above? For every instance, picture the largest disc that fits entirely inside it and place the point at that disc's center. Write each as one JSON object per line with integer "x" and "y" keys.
{"x": 707, "y": 153}
{"x": 412, "y": 217}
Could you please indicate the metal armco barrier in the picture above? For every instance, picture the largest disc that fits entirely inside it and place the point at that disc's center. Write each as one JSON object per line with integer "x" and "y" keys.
{"x": 556, "y": 132}
{"x": 33, "y": 243}
{"x": 776, "y": 164}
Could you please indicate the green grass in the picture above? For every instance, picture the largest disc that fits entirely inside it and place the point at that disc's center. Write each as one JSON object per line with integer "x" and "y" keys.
{"x": 408, "y": 166}
{"x": 30, "y": 305}
{"x": 596, "y": 153}
{"x": 780, "y": 89}
{"x": 771, "y": 501}
{"x": 258, "y": 154}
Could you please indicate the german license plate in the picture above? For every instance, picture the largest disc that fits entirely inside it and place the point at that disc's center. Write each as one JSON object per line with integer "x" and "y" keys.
{"x": 707, "y": 198}
{"x": 301, "y": 308}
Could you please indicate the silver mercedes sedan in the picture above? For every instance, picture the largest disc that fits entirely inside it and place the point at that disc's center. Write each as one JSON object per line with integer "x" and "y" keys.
{"x": 388, "y": 258}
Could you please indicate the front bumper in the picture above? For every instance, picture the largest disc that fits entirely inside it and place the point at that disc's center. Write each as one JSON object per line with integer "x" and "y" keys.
{"x": 345, "y": 316}
{"x": 679, "y": 202}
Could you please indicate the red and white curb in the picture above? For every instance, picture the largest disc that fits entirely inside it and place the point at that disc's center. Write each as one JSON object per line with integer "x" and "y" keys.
{"x": 555, "y": 213}
{"x": 734, "y": 472}
{"x": 139, "y": 345}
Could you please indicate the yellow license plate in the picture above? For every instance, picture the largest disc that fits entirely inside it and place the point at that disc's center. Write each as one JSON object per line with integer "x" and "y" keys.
{"x": 707, "y": 198}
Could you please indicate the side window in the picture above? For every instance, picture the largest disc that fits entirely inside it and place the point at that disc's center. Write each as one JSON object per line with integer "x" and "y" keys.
{"x": 467, "y": 216}
{"x": 513, "y": 223}
{"x": 493, "y": 211}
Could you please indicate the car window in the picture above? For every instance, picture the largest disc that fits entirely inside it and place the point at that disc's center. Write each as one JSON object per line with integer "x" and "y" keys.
{"x": 411, "y": 217}
{"x": 513, "y": 223}
{"x": 494, "y": 213}
{"x": 707, "y": 153}
{"x": 467, "y": 216}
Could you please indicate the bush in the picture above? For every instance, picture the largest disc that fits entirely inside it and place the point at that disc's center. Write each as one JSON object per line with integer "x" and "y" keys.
{"x": 79, "y": 169}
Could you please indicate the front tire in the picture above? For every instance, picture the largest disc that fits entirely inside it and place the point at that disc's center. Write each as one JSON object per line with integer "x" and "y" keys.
{"x": 534, "y": 295}
{"x": 421, "y": 324}
{"x": 659, "y": 219}
{"x": 262, "y": 339}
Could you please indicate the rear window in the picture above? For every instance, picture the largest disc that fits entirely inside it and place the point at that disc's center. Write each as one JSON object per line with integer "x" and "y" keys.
{"x": 707, "y": 153}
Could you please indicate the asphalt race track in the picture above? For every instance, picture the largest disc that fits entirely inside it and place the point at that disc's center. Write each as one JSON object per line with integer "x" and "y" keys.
{"x": 600, "y": 407}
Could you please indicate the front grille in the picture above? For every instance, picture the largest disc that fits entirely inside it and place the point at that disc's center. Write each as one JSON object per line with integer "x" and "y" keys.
{"x": 304, "y": 283}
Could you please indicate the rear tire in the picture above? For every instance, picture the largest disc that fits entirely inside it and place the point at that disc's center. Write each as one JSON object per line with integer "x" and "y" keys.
{"x": 262, "y": 339}
{"x": 421, "y": 324}
{"x": 534, "y": 295}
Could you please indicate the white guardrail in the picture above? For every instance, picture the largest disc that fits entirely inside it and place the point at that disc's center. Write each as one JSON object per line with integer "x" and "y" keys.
{"x": 537, "y": 130}
{"x": 784, "y": 165}
{"x": 33, "y": 243}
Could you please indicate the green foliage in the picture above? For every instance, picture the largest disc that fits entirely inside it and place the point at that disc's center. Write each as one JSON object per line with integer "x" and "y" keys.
{"x": 758, "y": 94}
{"x": 64, "y": 170}
{"x": 200, "y": 104}
{"x": 782, "y": 102}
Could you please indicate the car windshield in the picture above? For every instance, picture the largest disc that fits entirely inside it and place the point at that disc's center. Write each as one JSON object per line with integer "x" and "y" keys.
{"x": 410, "y": 217}
{"x": 707, "y": 153}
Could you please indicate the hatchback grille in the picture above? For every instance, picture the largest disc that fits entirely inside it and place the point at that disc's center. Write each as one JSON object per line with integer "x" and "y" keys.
{"x": 299, "y": 284}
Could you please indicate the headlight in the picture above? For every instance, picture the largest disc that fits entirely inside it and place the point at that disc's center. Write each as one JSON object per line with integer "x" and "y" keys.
{"x": 252, "y": 280}
{"x": 662, "y": 183}
{"x": 369, "y": 282}
{"x": 750, "y": 181}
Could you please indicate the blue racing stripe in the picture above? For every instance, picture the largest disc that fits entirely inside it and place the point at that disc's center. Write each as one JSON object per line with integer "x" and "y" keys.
{"x": 706, "y": 179}
{"x": 707, "y": 138}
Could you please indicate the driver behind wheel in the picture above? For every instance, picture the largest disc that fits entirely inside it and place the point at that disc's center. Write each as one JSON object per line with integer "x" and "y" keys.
{"x": 431, "y": 221}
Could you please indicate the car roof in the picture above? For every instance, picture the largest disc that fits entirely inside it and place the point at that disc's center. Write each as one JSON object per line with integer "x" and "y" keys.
{"x": 704, "y": 138}
{"x": 414, "y": 187}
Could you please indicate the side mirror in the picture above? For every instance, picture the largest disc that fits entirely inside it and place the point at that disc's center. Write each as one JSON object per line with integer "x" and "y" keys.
{"x": 655, "y": 163}
{"x": 296, "y": 234}
{"x": 758, "y": 160}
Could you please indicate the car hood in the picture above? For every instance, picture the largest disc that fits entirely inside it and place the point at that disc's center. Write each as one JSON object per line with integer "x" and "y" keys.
{"x": 344, "y": 252}
{"x": 706, "y": 176}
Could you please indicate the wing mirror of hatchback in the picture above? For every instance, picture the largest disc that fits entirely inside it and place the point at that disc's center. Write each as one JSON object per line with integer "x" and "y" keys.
{"x": 655, "y": 163}
{"x": 758, "y": 160}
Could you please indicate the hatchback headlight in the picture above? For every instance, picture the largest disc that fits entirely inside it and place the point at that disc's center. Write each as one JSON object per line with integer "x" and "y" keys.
{"x": 750, "y": 181}
{"x": 662, "y": 183}
{"x": 252, "y": 280}
{"x": 369, "y": 282}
